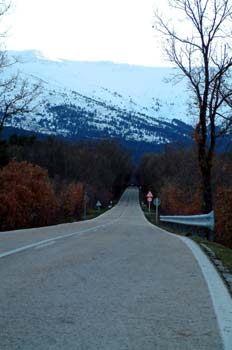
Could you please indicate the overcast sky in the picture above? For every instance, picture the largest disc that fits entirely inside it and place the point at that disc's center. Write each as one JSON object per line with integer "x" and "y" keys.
{"x": 106, "y": 30}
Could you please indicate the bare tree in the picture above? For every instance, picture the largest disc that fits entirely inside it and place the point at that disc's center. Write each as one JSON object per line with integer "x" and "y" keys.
{"x": 17, "y": 95}
{"x": 199, "y": 44}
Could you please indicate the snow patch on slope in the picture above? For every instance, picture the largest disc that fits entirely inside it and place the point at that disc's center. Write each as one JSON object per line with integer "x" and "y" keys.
{"x": 124, "y": 100}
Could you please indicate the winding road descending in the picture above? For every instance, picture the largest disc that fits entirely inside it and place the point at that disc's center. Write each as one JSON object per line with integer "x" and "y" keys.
{"x": 114, "y": 283}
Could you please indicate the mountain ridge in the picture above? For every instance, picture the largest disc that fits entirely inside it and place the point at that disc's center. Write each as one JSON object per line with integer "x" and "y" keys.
{"x": 103, "y": 99}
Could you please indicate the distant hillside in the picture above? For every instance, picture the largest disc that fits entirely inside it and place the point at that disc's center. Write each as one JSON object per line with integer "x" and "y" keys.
{"x": 96, "y": 100}
{"x": 103, "y": 99}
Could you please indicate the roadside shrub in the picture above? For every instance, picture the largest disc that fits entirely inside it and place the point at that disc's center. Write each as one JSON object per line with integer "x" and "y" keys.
{"x": 71, "y": 200}
{"x": 27, "y": 198}
{"x": 223, "y": 210}
{"x": 175, "y": 201}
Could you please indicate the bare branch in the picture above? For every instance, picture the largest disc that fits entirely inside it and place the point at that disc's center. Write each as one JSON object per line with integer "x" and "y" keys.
{"x": 17, "y": 95}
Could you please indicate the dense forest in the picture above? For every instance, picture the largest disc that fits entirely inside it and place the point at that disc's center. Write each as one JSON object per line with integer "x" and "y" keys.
{"x": 46, "y": 182}
{"x": 174, "y": 177}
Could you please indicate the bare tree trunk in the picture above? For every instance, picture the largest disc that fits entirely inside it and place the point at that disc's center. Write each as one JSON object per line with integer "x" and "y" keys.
{"x": 207, "y": 189}
{"x": 205, "y": 164}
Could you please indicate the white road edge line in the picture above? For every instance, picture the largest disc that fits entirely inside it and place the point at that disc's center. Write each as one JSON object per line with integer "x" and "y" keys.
{"x": 44, "y": 245}
{"x": 54, "y": 239}
{"x": 219, "y": 293}
{"x": 220, "y": 296}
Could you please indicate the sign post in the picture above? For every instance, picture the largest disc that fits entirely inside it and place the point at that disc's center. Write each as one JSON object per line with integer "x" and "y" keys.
{"x": 149, "y": 199}
{"x": 156, "y": 203}
{"x": 149, "y": 203}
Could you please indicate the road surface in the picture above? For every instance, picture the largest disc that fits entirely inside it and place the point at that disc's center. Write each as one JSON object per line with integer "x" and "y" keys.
{"x": 112, "y": 283}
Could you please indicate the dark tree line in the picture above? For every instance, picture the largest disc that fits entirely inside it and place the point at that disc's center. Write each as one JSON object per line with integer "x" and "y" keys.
{"x": 104, "y": 167}
{"x": 174, "y": 176}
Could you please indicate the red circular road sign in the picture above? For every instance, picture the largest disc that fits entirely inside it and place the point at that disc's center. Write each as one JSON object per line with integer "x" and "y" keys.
{"x": 149, "y": 199}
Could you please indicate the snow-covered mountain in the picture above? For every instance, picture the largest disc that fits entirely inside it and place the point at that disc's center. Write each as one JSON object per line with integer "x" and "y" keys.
{"x": 102, "y": 99}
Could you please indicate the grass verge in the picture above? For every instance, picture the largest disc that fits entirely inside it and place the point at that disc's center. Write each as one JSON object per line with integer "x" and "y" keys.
{"x": 93, "y": 213}
{"x": 221, "y": 252}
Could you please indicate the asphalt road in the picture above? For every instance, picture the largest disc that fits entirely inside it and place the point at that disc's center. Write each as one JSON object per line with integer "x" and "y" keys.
{"x": 114, "y": 283}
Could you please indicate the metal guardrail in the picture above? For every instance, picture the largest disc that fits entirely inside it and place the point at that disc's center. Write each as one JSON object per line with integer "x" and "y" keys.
{"x": 206, "y": 220}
